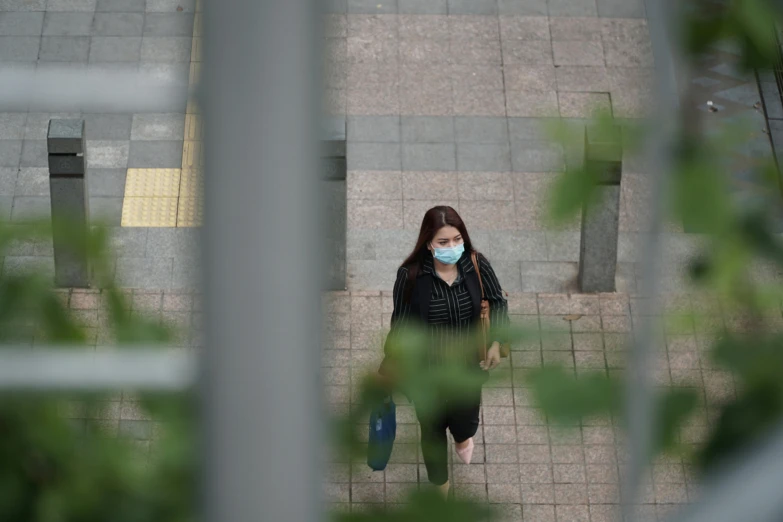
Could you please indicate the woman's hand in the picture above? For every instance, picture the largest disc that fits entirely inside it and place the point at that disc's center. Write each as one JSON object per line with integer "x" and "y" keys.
{"x": 493, "y": 357}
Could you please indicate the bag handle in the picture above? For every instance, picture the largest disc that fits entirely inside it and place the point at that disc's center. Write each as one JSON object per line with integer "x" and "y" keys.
{"x": 474, "y": 258}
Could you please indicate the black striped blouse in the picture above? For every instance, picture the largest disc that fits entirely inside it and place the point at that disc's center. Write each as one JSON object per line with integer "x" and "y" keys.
{"x": 451, "y": 310}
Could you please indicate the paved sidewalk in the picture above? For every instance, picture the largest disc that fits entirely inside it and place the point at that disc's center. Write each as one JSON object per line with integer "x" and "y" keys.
{"x": 529, "y": 471}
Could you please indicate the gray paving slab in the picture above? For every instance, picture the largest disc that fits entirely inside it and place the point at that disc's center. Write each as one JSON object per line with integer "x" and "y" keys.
{"x": 34, "y": 154}
{"x": 32, "y": 181}
{"x": 523, "y": 7}
{"x": 170, "y": 6}
{"x": 106, "y": 210}
{"x": 67, "y": 24}
{"x": 128, "y": 241}
{"x": 535, "y": 156}
{"x": 173, "y": 242}
{"x": 21, "y": 23}
{"x": 121, "y": 6}
{"x": 563, "y": 245}
{"x": 106, "y": 182}
{"x": 572, "y": 8}
{"x": 118, "y": 24}
{"x": 491, "y": 157}
{"x": 31, "y": 207}
{"x": 427, "y": 129}
{"x": 374, "y": 156}
{"x": 168, "y": 24}
{"x": 12, "y": 125}
{"x": 373, "y": 128}
{"x": 112, "y": 49}
{"x": 176, "y": 73}
{"x": 432, "y": 7}
{"x": 22, "y": 5}
{"x": 155, "y": 154}
{"x": 508, "y": 274}
{"x": 186, "y": 274}
{"x": 371, "y": 7}
{"x": 107, "y": 126}
{"x": 71, "y": 5}
{"x": 479, "y": 129}
{"x": 429, "y": 156}
{"x": 10, "y": 153}
{"x": 548, "y": 277}
{"x": 108, "y": 154}
{"x": 157, "y": 126}
{"x": 371, "y": 275}
{"x": 19, "y": 48}
{"x": 370, "y": 245}
{"x": 8, "y": 180}
{"x": 169, "y": 49}
{"x": 17, "y": 265}
{"x": 621, "y": 8}
{"x": 473, "y": 7}
{"x": 335, "y": 6}
{"x": 6, "y": 206}
{"x": 518, "y": 245}
{"x": 145, "y": 272}
{"x": 64, "y": 48}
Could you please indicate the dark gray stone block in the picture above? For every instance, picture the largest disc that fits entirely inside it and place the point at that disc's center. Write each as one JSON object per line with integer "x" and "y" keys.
{"x": 70, "y": 215}
{"x": 374, "y": 156}
{"x": 168, "y": 24}
{"x": 536, "y": 156}
{"x": 107, "y": 182}
{"x": 418, "y": 7}
{"x": 34, "y": 154}
{"x": 136, "y": 429}
{"x": 67, "y": 24}
{"x": 10, "y": 153}
{"x": 106, "y": 211}
{"x": 19, "y": 48}
{"x": 372, "y": 6}
{"x": 111, "y": 49}
{"x": 66, "y": 165}
{"x": 473, "y": 7}
{"x": 490, "y": 157}
{"x": 155, "y": 154}
{"x": 65, "y": 48}
{"x": 123, "y": 6}
{"x": 66, "y": 136}
{"x": 118, "y": 24}
{"x": 575, "y": 8}
{"x": 374, "y": 128}
{"x": 427, "y": 129}
{"x": 621, "y": 8}
{"x": 429, "y": 156}
{"x": 21, "y": 24}
{"x": 523, "y": 7}
{"x": 598, "y": 245}
{"x": 108, "y": 126}
{"x": 481, "y": 129}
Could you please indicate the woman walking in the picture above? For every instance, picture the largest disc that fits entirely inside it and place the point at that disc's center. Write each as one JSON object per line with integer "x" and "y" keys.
{"x": 437, "y": 287}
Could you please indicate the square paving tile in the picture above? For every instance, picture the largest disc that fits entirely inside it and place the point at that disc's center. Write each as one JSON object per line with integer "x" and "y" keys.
{"x": 428, "y": 156}
{"x": 495, "y": 157}
{"x": 118, "y": 24}
{"x": 572, "y": 8}
{"x": 578, "y": 53}
{"x": 427, "y": 129}
{"x": 64, "y": 48}
{"x": 67, "y": 24}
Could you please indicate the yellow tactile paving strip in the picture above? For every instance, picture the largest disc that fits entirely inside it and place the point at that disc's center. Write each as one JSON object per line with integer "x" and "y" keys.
{"x": 172, "y": 197}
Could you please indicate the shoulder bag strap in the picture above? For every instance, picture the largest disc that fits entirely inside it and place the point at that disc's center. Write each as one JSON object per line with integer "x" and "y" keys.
{"x": 474, "y": 258}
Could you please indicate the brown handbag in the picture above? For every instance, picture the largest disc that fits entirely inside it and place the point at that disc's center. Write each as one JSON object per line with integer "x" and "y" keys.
{"x": 505, "y": 348}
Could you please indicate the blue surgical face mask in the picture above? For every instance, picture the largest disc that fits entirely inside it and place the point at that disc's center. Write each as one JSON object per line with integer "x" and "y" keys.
{"x": 449, "y": 256}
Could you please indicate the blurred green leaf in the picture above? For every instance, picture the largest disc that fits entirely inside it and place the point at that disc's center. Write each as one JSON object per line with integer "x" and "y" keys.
{"x": 567, "y": 400}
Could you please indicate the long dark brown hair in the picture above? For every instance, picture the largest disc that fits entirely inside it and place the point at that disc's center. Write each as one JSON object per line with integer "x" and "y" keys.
{"x": 435, "y": 219}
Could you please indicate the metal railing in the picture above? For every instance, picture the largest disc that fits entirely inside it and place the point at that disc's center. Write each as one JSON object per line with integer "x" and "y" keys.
{"x": 257, "y": 374}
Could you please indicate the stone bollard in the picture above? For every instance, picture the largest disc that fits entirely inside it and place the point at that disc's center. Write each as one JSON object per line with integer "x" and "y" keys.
{"x": 333, "y": 187}
{"x": 598, "y": 246}
{"x": 70, "y": 208}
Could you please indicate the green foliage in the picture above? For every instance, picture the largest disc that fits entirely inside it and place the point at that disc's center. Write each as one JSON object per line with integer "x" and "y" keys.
{"x": 422, "y": 506}
{"x": 55, "y": 468}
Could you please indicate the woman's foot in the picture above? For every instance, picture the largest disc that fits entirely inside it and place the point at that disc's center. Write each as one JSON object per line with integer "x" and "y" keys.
{"x": 464, "y": 450}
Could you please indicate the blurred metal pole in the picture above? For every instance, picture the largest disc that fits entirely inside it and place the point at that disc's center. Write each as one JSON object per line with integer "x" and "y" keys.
{"x": 261, "y": 365}
{"x": 640, "y": 397}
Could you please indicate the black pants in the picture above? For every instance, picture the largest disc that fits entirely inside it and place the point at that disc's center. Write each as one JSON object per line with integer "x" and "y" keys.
{"x": 461, "y": 419}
